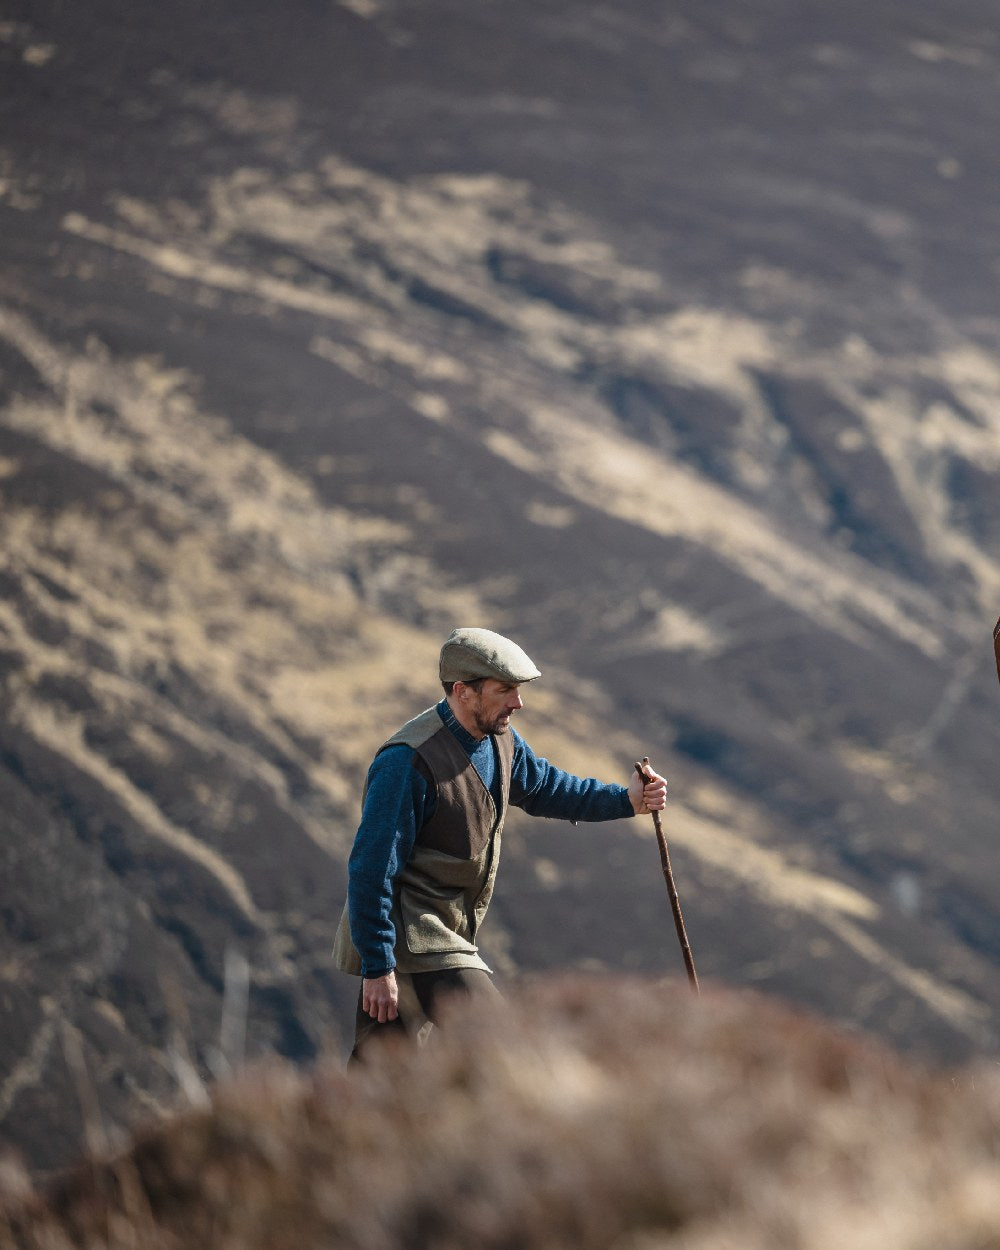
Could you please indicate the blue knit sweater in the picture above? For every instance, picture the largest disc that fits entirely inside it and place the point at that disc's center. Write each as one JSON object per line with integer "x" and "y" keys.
{"x": 399, "y": 801}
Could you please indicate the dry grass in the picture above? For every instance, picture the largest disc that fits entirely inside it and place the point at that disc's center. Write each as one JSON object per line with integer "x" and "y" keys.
{"x": 587, "y": 1114}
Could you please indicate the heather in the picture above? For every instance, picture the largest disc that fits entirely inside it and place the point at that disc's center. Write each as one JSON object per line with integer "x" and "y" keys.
{"x": 584, "y": 1113}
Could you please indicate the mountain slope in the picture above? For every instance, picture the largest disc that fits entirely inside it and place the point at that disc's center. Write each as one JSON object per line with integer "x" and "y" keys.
{"x": 436, "y": 315}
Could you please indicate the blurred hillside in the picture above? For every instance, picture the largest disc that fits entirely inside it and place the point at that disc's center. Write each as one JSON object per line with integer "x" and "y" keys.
{"x": 663, "y": 340}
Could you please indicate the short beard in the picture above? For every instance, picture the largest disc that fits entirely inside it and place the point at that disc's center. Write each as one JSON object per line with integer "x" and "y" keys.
{"x": 486, "y": 727}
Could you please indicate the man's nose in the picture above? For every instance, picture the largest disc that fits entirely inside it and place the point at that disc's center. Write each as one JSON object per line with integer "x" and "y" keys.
{"x": 515, "y": 701}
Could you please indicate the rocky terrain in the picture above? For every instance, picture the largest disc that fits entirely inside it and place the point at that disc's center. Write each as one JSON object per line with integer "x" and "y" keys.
{"x": 664, "y": 340}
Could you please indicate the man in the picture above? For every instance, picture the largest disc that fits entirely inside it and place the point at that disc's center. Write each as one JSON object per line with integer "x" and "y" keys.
{"x": 424, "y": 862}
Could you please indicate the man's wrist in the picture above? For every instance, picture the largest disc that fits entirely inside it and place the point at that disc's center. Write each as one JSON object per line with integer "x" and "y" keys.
{"x": 376, "y": 974}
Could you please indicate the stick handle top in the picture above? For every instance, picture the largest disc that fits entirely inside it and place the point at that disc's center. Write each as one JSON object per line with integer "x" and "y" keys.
{"x": 646, "y": 773}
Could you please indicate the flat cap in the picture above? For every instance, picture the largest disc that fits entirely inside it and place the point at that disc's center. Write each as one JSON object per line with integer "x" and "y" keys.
{"x": 471, "y": 653}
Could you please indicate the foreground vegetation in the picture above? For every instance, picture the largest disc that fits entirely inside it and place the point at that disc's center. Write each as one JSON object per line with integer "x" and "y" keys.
{"x": 588, "y": 1113}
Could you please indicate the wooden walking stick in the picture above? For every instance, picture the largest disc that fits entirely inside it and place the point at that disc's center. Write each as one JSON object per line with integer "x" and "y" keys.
{"x": 644, "y": 772}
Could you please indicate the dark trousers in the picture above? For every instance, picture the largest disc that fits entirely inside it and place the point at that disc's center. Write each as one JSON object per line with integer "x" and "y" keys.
{"x": 430, "y": 989}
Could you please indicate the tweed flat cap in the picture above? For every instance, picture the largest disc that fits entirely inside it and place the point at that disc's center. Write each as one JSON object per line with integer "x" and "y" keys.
{"x": 471, "y": 653}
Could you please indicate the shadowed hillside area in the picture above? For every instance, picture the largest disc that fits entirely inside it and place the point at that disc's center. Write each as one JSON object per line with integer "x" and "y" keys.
{"x": 660, "y": 337}
{"x": 589, "y": 1115}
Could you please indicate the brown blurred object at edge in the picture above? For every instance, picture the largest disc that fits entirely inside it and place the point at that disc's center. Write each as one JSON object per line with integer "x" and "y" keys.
{"x": 996, "y": 646}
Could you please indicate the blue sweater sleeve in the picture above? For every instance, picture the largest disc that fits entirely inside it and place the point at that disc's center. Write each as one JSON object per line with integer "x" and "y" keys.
{"x": 396, "y": 804}
{"x": 541, "y": 789}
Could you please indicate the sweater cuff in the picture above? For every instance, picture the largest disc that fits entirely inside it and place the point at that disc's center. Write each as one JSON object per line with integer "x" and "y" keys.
{"x": 372, "y": 974}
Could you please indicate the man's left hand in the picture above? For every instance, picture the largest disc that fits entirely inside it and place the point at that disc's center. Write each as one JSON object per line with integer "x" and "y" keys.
{"x": 648, "y": 796}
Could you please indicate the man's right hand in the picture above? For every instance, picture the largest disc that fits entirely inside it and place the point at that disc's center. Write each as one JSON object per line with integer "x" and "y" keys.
{"x": 380, "y": 996}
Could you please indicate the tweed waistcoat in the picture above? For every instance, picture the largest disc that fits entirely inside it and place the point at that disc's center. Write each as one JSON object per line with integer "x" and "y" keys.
{"x": 442, "y": 892}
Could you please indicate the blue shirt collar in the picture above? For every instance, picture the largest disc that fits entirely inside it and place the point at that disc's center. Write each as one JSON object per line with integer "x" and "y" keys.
{"x": 465, "y": 739}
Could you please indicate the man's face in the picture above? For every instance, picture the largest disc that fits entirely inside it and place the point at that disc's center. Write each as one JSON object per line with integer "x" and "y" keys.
{"x": 492, "y": 707}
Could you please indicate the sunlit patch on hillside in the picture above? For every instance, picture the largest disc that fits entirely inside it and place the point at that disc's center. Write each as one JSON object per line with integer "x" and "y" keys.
{"x": 382, "y": 260}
